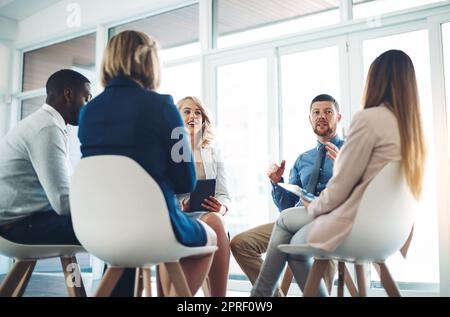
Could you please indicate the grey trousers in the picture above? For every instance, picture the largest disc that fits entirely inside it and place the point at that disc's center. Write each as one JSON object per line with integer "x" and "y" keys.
{"x": 292, "y": 222}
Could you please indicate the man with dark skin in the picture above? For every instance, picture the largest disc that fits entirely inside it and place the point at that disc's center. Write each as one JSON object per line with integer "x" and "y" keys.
{"x": 35, "y": 169}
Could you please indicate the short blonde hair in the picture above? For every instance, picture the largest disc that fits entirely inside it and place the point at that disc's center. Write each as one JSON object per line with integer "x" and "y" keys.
{"x": 208, "y": 134}
{"x": 132, "y": 54}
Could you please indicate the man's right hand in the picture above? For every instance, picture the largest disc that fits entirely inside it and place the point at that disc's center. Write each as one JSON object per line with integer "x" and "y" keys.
{"x": 275, "y": 172}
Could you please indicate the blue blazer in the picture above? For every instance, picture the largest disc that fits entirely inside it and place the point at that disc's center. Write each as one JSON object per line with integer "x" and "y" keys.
{"x": 128, "y": 120}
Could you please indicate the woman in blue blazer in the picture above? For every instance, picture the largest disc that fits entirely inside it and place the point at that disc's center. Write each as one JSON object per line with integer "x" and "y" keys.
{"x": 129, "y": 118}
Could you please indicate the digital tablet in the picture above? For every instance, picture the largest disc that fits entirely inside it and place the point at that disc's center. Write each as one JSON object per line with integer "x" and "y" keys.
{"x": 203, "y": 189}
{"x": 297, "y": 190}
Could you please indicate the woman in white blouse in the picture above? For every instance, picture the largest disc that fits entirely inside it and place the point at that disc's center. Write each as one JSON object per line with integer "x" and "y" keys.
{"x": 208, "y": 165}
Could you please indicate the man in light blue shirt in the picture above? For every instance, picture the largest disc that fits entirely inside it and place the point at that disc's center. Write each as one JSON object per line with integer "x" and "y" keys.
{"x": 35, "y": 166}
{"x": 312, "y": 171}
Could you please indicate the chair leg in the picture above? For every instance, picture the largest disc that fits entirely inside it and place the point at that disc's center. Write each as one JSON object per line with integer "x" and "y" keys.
{"x": 72, "y": 276}
{"x": 388, "y": 282}
{"x": 138, "y": 285}
{"x": 341, "y": 276}
{"x": 178, "y": 279}
{"x": 16, "y": 281}
{"x": 287, "y": 280}
{"x": 109, "y": 281}
{"x": 349, "y": 283}
{"x": 314, "y": 277}
{"x": 361, "y": 280}
{"x": 147, "y": 282}
{"x": 159, "y": 288}
{"x": 206, "y": 287}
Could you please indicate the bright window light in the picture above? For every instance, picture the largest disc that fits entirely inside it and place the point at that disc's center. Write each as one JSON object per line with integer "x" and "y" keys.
{"x": 305, "y": 75}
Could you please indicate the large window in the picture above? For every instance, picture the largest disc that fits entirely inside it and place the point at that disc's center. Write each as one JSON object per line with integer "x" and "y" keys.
{"x": 30, "y": 105}
{"x": 239, "y": 22}
{"x": 176, "y": 31}
{"x": 305, "y": 75}
{"x": 446, "y": 46}
{"x": 242, "y": 131}
{"x": 181, "y": 81}
{"x": 422, "y": 263}
{"x": 38, "y": 65}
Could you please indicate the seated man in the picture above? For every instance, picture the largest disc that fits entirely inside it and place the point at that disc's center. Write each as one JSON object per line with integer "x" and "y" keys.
{"x": 311, "y": 171}
{"x": 35, "y": 168}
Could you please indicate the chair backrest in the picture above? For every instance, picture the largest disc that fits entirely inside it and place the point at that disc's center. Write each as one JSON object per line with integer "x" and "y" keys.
{"x": 119, "y": 212}
{"x": 385, "y": 217}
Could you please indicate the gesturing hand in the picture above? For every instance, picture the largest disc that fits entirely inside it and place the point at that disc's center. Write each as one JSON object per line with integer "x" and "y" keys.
{"x": 332, "y": 150}
{"x": 275, "y": 172}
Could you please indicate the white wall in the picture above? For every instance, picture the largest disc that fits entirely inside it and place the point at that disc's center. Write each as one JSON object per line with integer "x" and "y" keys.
{"x": 8, "y": 29}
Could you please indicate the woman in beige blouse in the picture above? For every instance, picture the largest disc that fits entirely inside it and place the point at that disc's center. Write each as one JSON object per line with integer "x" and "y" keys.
{"x": 387, "y": 129}
{"x": 208, "y": 165}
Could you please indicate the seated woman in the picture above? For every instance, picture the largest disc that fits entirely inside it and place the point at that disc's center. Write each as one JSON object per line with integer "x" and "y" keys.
{"x": 387, "y": 129}
{"x": 208, "y": 165}
{"x": 129, "y": 118}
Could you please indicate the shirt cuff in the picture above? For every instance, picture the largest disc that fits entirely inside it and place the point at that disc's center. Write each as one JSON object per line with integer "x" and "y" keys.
{"x": 275, "y": 186}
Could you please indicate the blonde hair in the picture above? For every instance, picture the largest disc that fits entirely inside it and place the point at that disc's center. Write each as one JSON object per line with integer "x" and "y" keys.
{"x": 208, "y": 134}
{"x": 132, "y": 54}
{"x": 392, "y": 81}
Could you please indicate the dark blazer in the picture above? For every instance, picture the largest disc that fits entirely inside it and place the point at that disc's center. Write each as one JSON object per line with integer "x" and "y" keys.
{"x": 128, "y": 120}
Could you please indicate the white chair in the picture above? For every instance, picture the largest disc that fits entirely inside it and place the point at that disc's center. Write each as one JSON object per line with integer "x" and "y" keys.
{"x": 120, "y": 215}
{"x": 382, "y": 225}
{"x": 26, "y": 256}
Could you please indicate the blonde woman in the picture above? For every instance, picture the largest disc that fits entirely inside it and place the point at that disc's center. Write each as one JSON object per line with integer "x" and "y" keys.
{"x": 129, "y": 118}
{"x": 208, "y": 165}
{"x": 387, "y": 129}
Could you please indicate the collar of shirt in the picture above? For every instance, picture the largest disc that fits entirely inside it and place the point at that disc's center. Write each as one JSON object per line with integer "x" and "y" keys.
{"x": 336, "y": 140}
{"x": 55, "y": 114}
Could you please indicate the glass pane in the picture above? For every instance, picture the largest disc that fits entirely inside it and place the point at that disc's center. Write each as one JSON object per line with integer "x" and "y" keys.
{"x": 422, "y": 265}
{"x": 240, "y": 22}
{"x": 181, "y": 81}
{"x": 77, "y": 54}
{"x": 31, "y": 105}
{"x": 305, "y": 75}
{"x": 370, "y": 8}
{"x": 243, "y": 131}
{"x": 446, "y": 45}
{"x": 162, "y": 27}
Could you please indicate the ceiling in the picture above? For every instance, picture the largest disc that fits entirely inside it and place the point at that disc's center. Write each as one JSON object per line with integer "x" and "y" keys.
{"x": 237, "y": 15}
{"x": 21, "y": 9}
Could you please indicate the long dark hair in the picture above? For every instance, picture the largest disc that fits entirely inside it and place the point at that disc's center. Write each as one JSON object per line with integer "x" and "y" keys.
{"x": 392, "y": 81}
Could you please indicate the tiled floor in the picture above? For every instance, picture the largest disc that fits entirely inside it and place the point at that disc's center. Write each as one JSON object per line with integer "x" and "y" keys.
{"x": 52, "y": 285}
